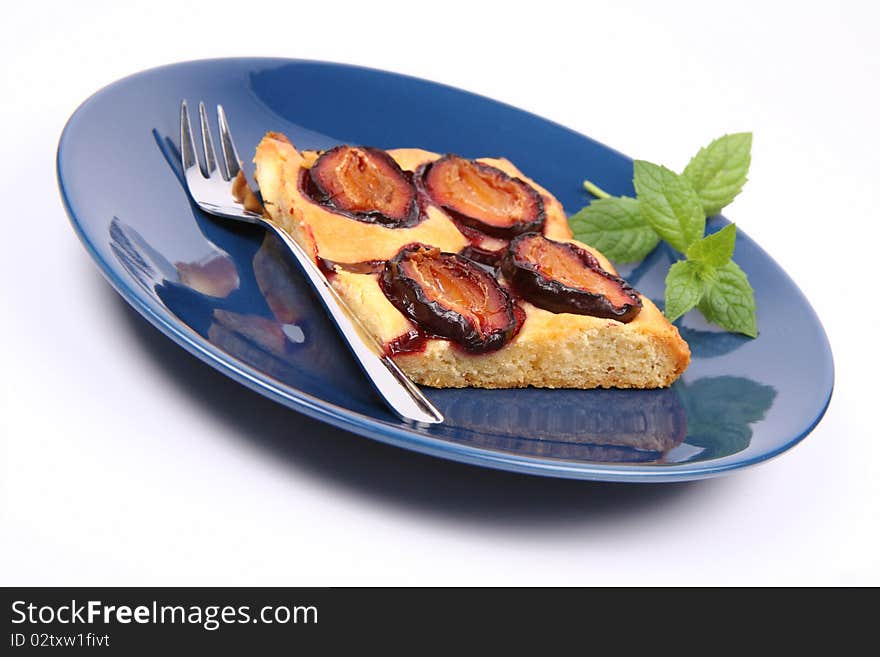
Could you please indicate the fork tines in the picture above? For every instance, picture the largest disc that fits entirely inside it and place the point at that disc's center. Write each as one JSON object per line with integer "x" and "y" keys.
{"x": 231, "y": 163}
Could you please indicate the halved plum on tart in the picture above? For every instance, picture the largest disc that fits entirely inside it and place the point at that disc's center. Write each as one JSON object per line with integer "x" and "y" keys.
{"x": 565, "y": 278}
{"x": 450, "y": 296}
{"x": 365, "y": 184}
{"x": 484, "y": 197}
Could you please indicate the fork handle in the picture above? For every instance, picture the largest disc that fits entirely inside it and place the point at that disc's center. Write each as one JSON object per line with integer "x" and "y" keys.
{"x": 396, "y": 389}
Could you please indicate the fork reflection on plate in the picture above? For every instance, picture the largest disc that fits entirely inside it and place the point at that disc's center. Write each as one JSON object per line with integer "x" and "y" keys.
{"x": 211, "y": 189}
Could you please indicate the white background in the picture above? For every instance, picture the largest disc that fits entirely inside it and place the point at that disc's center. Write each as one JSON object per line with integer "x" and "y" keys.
{"x": 126, "y": 461}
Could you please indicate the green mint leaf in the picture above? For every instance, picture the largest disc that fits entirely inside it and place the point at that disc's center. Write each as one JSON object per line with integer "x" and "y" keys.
{"x": 715, "y": 250}
{"x": 718, "y": 171}
{"x": 616, "y": 227}
{"x": 669, "y": 204}
{"x": 684, "y": 288}
{"x": 729, "y": 300}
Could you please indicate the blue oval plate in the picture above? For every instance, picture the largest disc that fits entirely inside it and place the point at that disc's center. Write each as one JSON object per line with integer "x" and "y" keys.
{"x": 230, "y": 295}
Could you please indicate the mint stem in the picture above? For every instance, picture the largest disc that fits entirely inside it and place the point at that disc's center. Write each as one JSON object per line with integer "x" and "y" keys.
{"x": 595, "y": 190}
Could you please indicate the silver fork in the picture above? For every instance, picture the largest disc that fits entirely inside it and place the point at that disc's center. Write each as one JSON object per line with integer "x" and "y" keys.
{"x": 212, "y": 192}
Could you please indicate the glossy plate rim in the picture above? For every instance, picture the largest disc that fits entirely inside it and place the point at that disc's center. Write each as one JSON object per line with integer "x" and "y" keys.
{"x": 355, "y": 422}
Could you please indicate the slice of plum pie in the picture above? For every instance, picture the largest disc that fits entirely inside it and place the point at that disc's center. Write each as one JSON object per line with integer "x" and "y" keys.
{"x": 466, "y": 270}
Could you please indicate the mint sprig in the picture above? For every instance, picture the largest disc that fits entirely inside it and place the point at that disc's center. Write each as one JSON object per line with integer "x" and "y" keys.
{"x": 715, "y": 250}
{"x": 669, "y": 204}
{"x": 684, "y": 288}
{"x": 674, "y": 208}
{"x": 729, "y": 300}
{"x": 616, "y": 227}
{"x": 718, "y": 171}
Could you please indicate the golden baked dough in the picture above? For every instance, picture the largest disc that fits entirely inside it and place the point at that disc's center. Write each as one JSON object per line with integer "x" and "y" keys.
{"x": 553, "y": 350}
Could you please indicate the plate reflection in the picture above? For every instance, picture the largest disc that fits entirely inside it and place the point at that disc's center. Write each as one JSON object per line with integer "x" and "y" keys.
{"x": 620, "y": 426}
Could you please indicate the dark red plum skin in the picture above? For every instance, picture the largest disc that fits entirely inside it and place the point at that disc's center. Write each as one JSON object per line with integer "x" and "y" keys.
{"x": 552, "y": 295}
{"x": 433, "y": 317}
